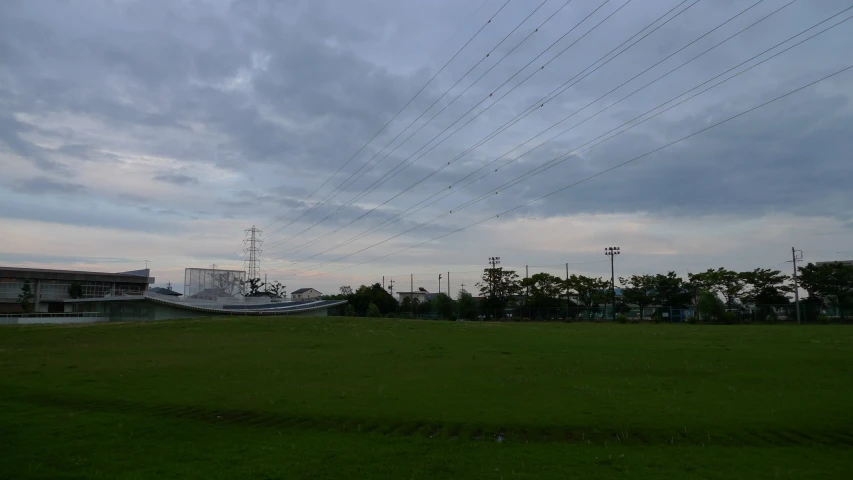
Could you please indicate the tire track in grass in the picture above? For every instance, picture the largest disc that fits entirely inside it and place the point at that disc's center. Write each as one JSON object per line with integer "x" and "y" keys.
{"x": 836, "y": 436}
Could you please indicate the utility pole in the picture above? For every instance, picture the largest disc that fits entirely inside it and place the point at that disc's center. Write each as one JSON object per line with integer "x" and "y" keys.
{"x": 796, "y": 255}
{"x": 391, "y": 288}
{"x": 439, "y": 283}
{"x": 462, "y": 286}
{"x": 146, "y": 263}
{"x": 568, "y": 301}
{"x": 612, "y": 252}
{"x": 527, "y": 292}
{"x": 448, "y": 284}
{"x": 383, "y": 282}
{"x": 412, "y": 285}
{"x": 493, "y": 261}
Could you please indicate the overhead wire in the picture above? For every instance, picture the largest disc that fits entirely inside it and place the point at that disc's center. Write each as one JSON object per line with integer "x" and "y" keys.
{"x": 382, "y": 180}
{"x": 602, "y": 172}
{"x": 523, "y": 114}
{"x": 630, "y": 121}
{"x": 519, "y": 116}
{"x": 398, "y": 113}
{"x": 567, "y": 155}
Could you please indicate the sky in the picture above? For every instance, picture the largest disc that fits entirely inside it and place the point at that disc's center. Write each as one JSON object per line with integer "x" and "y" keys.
{"x": 406, "y": 139}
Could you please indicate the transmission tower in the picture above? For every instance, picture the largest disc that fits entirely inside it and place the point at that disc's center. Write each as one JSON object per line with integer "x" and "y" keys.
{"x": 252, "y": 248}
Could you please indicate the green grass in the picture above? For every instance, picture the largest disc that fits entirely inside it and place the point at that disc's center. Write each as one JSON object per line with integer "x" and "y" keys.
{"x": 329, "y": 398}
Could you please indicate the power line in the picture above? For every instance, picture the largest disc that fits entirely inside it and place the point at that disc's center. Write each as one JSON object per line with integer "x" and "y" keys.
{"x": 627, "y": 162}
{"x": 448, "y": 193}
{"x": 382, "y": 180}
{"x": 526, "y": 112}
{"x": 396, "y": 115}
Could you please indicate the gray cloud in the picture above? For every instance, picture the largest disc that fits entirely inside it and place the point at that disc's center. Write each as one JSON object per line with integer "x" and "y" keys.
{"x": 243, "y": 108}
{"x": 46, "y": 186}
{"x": 176, "y": 179}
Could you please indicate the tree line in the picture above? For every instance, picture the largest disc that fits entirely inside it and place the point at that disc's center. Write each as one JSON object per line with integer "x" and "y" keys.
{"x": 718, "y": 295}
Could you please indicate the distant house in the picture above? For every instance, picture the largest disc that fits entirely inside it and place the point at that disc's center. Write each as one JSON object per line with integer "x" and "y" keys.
{"x": 422, "y": 295}
{"x": 305, "y": 294}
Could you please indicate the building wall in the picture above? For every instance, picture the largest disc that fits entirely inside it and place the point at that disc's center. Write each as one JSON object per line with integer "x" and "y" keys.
{"x": 306, "y": 295}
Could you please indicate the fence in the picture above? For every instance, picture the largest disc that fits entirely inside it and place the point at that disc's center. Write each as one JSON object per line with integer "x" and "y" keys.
{"x": 753, "y": 314}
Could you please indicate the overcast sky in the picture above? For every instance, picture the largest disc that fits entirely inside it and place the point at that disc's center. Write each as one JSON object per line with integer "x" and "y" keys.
{"x": 161, "y": 130}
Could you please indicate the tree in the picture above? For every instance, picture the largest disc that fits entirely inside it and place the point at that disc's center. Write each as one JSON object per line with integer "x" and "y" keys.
{"x": 346, "y": 290}
{"x": 350, "y": 310}
{"x": 229, "y": 283}
{"x": 727, "y": 283}
{"x": 375, "y": 294}
{"x": 591, "y": 291}
{"x": 764, "y": 288}
{"x": 499, "y": 286}
{"x": 711, "y": 306}
{"x": 406, "y": 304}
{"x": 25, "y": 298}
{"x": 670, "y": 290}
{"x": 275, "y": 289}
{"x": 638, "y": 290}
{"x": 75, "y": 290}
{"x": 832, "y": 281}
{"x": 543, "y": 293}
{"x": 373, "y": 311}
{"x": 466, "y": 305}
{"x": 254, "y": 287}
{"x": 443, "y": 305}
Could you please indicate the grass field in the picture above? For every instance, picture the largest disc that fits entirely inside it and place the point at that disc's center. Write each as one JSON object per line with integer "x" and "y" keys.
{"x": 357, "y": 398}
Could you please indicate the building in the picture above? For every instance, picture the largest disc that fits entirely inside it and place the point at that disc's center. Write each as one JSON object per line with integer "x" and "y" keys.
{"x": 843, "y": 262}
{"x": 305, "y": 294}
{"x": 422, "y": 295}
{"x": 50, "y": 288}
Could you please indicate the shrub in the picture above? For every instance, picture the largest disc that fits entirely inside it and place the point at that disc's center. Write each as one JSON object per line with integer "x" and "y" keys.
{"x": 350, "y": 311}
{"x": 621, "y": 319}
{"x": 373, "y": 310}
{"x": 656, "y": 318}
{"x": 824, "y": 319}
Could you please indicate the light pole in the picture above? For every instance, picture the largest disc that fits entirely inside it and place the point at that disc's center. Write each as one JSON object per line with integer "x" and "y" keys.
{"x": 796, "y": 255}
{"x": 612, "y": 252}
{"x": 494, "y": 261}
{"x": 439, "y": 283}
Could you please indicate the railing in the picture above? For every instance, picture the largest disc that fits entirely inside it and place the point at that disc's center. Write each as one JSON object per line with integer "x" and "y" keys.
{"x": 48, "y": 315}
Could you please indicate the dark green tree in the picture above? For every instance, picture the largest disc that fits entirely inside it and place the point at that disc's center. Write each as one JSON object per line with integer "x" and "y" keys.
{"x": 25, "y": 298}
{"x": 711, "y": 308}
{"x": 75, "y": 290}
{"x": 373, "y": 310}
{"x": 543, "y": 292}
{"x": 466, "y": 305}
{"x": 350, "y": 311}
{"x": 591, "y": 292}
{"x": 832, "y": 281}
{"x": 499, "y": 288}
{"x": 638, "y": 290}
{"x": 443, "y": 305}
{"x": 765, "y": 288}
{"x": 670, "y": 291}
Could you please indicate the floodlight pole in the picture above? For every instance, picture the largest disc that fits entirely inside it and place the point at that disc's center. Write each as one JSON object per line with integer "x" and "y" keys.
{"x": 439, "y": 283}
{"x": 796, "y": 255}
{"x": 612, "y": 252}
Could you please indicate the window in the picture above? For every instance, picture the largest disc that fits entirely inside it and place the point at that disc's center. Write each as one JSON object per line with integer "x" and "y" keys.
{"x": 10, "y": 288}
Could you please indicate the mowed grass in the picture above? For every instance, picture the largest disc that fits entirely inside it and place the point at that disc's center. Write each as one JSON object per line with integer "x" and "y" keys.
{"x": 337, "y": 397}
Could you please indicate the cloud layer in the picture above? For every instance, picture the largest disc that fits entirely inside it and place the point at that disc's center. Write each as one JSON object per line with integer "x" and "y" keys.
{"x": 185, "y": 123}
